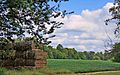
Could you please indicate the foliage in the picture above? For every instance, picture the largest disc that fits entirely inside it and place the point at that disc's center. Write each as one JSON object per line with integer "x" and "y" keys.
{"x": 70, "y": 53}
{"x": 117, "y": 57}
{"x": 18, "y": 17}
{"x": 115, "y": 13}
{"x": 114, "y": 53}
{"x": 107, "y": 55}
{"x": 59, "y": 47}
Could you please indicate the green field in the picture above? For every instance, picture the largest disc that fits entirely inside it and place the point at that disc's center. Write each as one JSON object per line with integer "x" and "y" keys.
{"x": 68, "y": 66}
{"x": 77, "y": 66}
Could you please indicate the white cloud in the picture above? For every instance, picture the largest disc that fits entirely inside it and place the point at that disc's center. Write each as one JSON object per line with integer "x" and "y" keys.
{"x": 82, "y": 47}
{"x": 60, "y": 37}
{"x": 108, "y": 6}
{"x": 79, "y": 22}
{"x": 86, "y": 31}
{"x": 84, "y": 35}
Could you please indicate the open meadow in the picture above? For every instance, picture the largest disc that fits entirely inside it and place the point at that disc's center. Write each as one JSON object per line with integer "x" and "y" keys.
{"x": 79, "y": 66}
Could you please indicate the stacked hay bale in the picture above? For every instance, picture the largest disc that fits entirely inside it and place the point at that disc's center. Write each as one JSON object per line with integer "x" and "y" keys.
{"x": 7, "y": 55}
{"x": 36, "y": 58}
{"x": 25, "y": 55}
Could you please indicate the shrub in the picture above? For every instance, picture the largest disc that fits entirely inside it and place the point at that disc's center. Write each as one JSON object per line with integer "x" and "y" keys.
{"x": 117, "y": 57}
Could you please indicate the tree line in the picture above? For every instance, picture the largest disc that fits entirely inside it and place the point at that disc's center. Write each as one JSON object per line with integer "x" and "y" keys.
{"x": 71, "y": 53}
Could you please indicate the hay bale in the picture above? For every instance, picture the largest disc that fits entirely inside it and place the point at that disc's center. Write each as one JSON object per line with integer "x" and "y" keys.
{"x": 9, "y": 67}
{"x": 30, "y": 62}
{"x": 23, "y": 46}
{"x": 33, "y": 45}
{"x": 30, "y": 55}
{"x": 40, "y": 55}
{"x": 1, "y": 61}
{"x": 19, "y": 62}
{"x": 1, "y": 54}
{"x": 40, "y": 62}
{"x": 20, "y": 54}
{"x": 40, "y": 52}
{"x": 7, "y": 54}
{"x": 6, "y": 46}
{"x": 38, "y": 67}
{"x": 7, "y": 62}
{"x": 25, "y": 55}
{"x": 36, "y": 55}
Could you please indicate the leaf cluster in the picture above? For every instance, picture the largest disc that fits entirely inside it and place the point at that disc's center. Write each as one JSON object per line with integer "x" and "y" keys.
{"x": 115, "y": 13}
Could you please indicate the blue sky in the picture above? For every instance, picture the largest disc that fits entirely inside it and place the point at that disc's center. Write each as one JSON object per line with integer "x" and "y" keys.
{"x": 85, "y": 30}
{"x": 79, "y": 5}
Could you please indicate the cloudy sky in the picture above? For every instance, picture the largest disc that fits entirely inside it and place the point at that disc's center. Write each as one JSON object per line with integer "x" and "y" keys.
{"x": 85, "y": 29}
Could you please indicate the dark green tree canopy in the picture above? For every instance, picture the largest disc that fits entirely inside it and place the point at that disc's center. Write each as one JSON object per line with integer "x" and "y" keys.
{"x": 18, "y": 17}
{"x": 60, "y": 47}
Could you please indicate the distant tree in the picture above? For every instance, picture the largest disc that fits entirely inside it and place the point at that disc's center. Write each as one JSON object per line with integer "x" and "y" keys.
{"x": 115, "y": 52}
{"x": 59, "y": 47}
{"x": 82, "y": 55}
{"x": 48, "y": 50}
{"x": 72, "y": 53}
{"x": 115, "y": 48}
{"x": 117, "y": 57}
{"x": 66, "y": 51}
{"x": 18, "y": 17}
{"x": 96, "y": 58}
{"x": 88, "y": 55}
{"x": 100, "y": 55}
{"x": 107, "y": 55}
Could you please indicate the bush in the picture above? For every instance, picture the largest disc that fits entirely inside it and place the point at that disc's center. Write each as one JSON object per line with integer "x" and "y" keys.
{"x": 117, "y": 57}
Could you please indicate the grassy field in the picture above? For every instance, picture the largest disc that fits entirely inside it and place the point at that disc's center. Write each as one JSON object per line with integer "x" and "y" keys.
{"x": 82, "y": 65}
{"x": 68, "y": 66}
